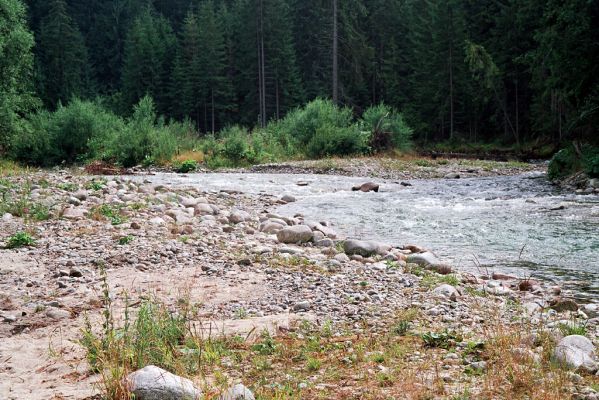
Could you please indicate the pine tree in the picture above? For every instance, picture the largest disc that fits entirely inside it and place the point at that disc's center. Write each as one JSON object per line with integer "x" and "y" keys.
{"x": 62, "y": 57}
{"x": 148, "y": 60}
{"x": 16, "y": 66}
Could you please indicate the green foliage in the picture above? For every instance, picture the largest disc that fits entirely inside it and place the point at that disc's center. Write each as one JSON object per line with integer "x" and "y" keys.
{"x": 125, "y": 240}
{"x": 562, "y": 164}
{"x": 187, "y": 166}
{"x": 65, "y": 135}
{"x": 387, "y": 128}
{"x": 443, "y": 340}
{"x": 573, "y": 328}
{"x": 235, "y": 144}
{"x": 20, "y": 239}
{"x": 112, "y": 213}
{"x": 16, "y": 67}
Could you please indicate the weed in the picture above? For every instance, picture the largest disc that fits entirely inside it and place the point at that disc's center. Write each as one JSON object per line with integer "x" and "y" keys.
{"x": 241, "y": 313}
{"x": 443, "y": 340}
{"x": 431, "y": 279}
{"x": 267, "y": 346}
{"x": 68, "y": 187}
{"x": 20, "y": 239}
{"x": 96, "y": 184}
{"x": 313, "y": 364}
{"x": 112, "y": 213}
{"x": 573, "y": 328}
{"x": 125, "y": 240}
{"x": 400, "y": 328}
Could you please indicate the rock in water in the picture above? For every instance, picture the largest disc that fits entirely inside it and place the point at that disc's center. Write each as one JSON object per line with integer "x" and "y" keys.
{"x": 452, "y": 175}
{"x": 237, "y": 392}
{"x": 295, "y": 234}
{"x": 576, "y": 352}
{"x": 153, "y": 383}
{"x": 366, "y": 187}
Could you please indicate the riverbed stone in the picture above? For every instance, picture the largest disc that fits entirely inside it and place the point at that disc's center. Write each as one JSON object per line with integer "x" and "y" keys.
{"x": 239, "y": 216}
{"x": 452, "y": 175}
{"x": 576, "y": 352}
{"x": 74, "y": 213}
{"x": 448, "y": 291}
{"x": 364, "y": 248}
{"x": 154, "y": 383}
{"x": 366, "y": 187}
{"x": 237, "y": 392}
{"x": 426, "y": 258}
{"x": 561, "y": 305}
{"x": 287, "y": 198}
{"x": 295, "y": 234}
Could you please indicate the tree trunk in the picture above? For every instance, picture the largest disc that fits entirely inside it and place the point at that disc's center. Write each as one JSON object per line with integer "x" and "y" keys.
{"x": 212, "y": 100}
{"x": 277, "y": 99}
{"x": 451, "y": 76}
{"x": 335, "y": 55}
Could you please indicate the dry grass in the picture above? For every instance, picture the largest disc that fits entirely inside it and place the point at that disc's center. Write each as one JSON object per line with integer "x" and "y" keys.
{"x": 10, "y": 168}
{"x": 187, "y": 155}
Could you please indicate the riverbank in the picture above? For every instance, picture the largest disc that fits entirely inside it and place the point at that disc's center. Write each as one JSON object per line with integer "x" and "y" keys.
{"x": 346, "y": 319}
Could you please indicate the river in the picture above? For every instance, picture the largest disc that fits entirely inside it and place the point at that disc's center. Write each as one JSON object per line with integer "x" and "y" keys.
{"x": 521, "y": 225}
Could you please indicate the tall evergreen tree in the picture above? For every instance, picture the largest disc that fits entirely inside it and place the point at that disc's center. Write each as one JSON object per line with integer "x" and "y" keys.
{"x": 16, "y": 66}
{"x": 149, "y": 52}
{"x": 62, "y": 57}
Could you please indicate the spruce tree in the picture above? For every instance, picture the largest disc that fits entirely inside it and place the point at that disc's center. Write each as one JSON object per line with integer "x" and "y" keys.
{"x": 62, "y": 57}
{"x": 149, "y": 53}
{"x": 16, "y": 63}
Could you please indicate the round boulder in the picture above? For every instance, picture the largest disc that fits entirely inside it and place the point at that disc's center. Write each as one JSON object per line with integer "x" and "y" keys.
{"x": 295, "y": 234}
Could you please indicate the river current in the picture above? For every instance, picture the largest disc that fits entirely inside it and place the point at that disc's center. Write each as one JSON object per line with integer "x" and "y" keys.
{"x": 521, "y": 225}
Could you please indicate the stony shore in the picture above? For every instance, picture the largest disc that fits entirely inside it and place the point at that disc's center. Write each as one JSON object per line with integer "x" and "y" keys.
{"x": 245, "y": 268}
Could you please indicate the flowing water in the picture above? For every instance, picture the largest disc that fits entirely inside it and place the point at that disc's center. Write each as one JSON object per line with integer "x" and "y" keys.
{"x": 505, "y": 224}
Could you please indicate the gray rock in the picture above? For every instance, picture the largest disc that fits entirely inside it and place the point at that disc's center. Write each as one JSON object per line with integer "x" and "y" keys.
{"x": 288, "y": 198}
{"x": 301, "y": 306}
{"x": 576, "y": 352}
{"x": 271, "y": 227}
{"x": 452, "y": 175}
{"x": 295, "y": 234}
{"x": 153, "y": 383}
{"x": 562, "y": 305}
{"x": 426, "y": 258}
{"x": 594, "y": 183}
{"x": 74, "y": 201}
{"x": 317, "y": 236}
{"x": 366, "y": 187}
{"x": 157, "y": 221}
{"x": 203, "y": 209}
{"x": 447, "y": 290}
{"x": 74, "y": 213}
{"x": 478, "y": 366}
{"x": 237, "y": 392}
{"x": 238, "y": 216}
{"x": 325, "y": 243}
{"x": 364, "y": 248}
{"x": 80, "y": 195}
{"x": 342, "y": 257}
{"x": 57, "y": 313}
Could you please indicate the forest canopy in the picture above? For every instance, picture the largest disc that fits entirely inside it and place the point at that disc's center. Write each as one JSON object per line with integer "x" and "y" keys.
{"x": 509, "y": 72}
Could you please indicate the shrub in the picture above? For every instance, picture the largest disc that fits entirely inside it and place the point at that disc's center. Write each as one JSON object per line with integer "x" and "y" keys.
{"x": 235, "y": 144}
{"x": 591, "y": 161}
{"x": 64, "y": 135}
{"x": 387, "y": 128}
{"x": 562, "y": 164}
{"x": 330, "y": 140}
{"x": 187, "y": 166}
{"x": 319, "y": 129}
{"x": 20, "y": 239}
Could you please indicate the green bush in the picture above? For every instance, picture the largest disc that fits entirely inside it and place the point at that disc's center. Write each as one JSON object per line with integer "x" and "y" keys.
{"x": 387, "y": 128}
{"x": 187, "y": 166}
{"x": 331, "y": 140}
{"x": 591, "y": 161}
{"x": 20, "y": 239}
{"x": 320, "y": 128}
{"x": 563, "y": 163}
{"x": 235, "y": 144}
{"x": 64, "y": 135}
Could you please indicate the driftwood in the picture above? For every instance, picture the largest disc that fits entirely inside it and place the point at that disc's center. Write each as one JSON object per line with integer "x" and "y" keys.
{"x": 103, "y": 168}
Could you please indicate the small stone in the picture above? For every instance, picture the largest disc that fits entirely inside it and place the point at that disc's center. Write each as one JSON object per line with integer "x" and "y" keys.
{"x": 57, "y": 313}
{"x": 153, "y": 383}
{"x": 288, "y": 198}
{"x": 135, "y": 225}
{"x": 75, "y": 273}
{"x": 237, "y": 392}
{"x": 364, "y": 248}
{"x": 452, "y": 175}
{"x": 301, "y": 306}
{"x": 295, "y": 234}
{"x": 366, "y": 187}
{"x": 562, "y": 305}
